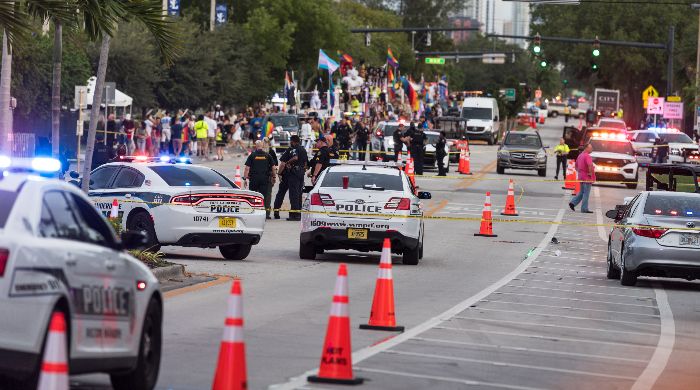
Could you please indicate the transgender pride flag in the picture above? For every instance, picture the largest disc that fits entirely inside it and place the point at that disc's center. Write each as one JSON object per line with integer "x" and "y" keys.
{"x": 325, "y": 62}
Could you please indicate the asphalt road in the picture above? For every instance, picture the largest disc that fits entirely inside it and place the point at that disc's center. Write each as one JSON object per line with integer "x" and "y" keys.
{"x": 513, "y": 312}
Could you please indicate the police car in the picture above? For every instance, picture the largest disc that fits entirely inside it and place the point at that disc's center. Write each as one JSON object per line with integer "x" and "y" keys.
{"x": 57, "y": 253}
{"x": 355, "y": 205}
{"x": 614, "y": 160}
{"x": 180, "y": 204}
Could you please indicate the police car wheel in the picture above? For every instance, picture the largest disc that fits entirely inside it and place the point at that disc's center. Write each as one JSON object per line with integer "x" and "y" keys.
{"x": 420, "y": 251}
{"x": 145, "y": 374}
{"x": 141, "y": 221}
{"x": 235, "y": 251}
{"x": 411, "y": 256}
{"x": 500, "y": 170}
{"x": 307, "y": 251}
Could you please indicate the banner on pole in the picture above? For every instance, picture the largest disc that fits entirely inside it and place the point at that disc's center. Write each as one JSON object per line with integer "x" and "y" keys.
{"x": 174, "y": 7}
{"x": 221, "y": 14}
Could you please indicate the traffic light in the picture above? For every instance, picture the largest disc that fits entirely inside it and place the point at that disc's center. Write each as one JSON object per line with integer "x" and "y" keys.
{"x": 543, "y": 63}
{"x": 596, "y": 47}
{"x": 537, "y": 44}
{"x": 594, "y": 66}
{"x": 368, "y": 39}
{"x": 428, "y": 39}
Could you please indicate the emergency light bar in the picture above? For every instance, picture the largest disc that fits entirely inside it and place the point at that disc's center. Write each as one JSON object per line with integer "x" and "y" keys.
{"x": 609, "y": 136}
{"x": 384, "y": 164}
{"x": 44, "y": 166}
{"x": 162, "y": 159}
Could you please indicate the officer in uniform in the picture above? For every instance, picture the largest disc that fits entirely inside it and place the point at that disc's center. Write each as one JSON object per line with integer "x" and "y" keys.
{"x": 322, "y": 159}
{"x": 291, "y": 171}
{"x": 259, "y": 167}
{"x": 415, "y": 138}
{"x": 398, "y": 143}
{"x": 342, "y": 135}
{"x": 440, "y": 154}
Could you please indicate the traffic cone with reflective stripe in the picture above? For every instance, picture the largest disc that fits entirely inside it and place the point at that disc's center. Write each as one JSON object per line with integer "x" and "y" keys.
{"x": 410, "y": 170}
{"x": 237, "y": 179}
{"x": 541, "y": 120}
{"x": 486, "y": 229}
{"x": 466, "y": 170}
{"x": 336, "y": 358}
{"x": 533, "y": 122}
{"x": 114, "y": 213}
{"x": 54, "y": 366}
{"x": 383, "y": 315}
{"x": 570, "y": 176}
{"x": 231, "y": 368}
{"x": 577, "y": 184}
{"x": 510, "y": 201}
{"x": 399, "y": 161}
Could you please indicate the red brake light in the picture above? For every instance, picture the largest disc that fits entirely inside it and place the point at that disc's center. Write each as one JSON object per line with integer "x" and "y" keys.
{"x": 195, "y": 199}
{"x": 650, "y": 232}
{"x": 398, "y": 204}
{"x": 4, "y": 256}
{"x": 140, "y": 285}
{"x": 321, "y": 200}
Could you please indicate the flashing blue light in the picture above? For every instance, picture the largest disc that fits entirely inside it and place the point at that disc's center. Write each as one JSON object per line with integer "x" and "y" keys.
{"x": 165, "y": 159}
{"x": 5, "y": 162}
{"x": 187, "y": 184}
{"x": 46, "y": 165}
{"x": 689, "y": 212}
{"x": 185, "y": 160}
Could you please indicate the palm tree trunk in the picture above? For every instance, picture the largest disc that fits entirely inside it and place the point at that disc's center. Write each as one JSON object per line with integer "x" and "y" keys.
{"x": 56, "y": 88}
{"x": 95, "y": 111}
{"x": 5, "y": 112}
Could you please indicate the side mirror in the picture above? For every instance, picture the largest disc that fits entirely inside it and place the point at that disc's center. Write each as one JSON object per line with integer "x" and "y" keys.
{"x": 612, "y": 214}
{"x": 74, "y": 175}
{"x": 424, "y": 195}
{"x": 134, "y": 239}
{"x": 307, "y": 189}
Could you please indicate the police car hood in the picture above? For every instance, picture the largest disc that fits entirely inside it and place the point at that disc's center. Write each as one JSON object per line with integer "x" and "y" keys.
{"x": 360, "y": 203}
{"x": 679, "y": 145}
{"x": 612, "y": 156}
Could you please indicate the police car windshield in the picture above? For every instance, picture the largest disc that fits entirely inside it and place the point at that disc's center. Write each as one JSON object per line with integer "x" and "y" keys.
{"x": 523, "y": 140}
{"x": 687, "y": 206}
{"x": 8, "y": 200}
{"x": 677, "y": 138}
{"x": 612, "y": 124}
{"x": 476, "y": 113}
{"x": 432, "y": 138}
{"x": 612, "y": 147}
{"x": 390, "y": 182}
{"x": 191, "y": 176}
{"x": 285, "y": 121}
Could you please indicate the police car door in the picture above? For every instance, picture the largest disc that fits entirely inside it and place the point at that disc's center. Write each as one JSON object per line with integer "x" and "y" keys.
{"x": 111, "y": 297}
{"x": 100, "y": 180}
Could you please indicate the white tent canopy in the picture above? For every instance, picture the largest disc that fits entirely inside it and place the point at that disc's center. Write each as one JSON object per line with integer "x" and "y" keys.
{"x": 120, "y": 98}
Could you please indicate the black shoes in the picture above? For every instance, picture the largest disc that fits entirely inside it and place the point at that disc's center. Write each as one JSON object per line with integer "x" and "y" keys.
{"x": 572, "y": 207}
{"x": 277, "y": 216}
{"x": 587, "y": 212}
{"x": 293, "y": 219}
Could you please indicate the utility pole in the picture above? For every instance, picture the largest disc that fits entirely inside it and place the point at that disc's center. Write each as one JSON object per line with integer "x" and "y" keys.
{"x": 212, "y": 15}
{"x": 696, "y": 7}
{"x": 669, "y": 69}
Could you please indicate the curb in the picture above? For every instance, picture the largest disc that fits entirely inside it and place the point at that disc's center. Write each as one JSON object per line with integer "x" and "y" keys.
{"x": 174, "y": 271}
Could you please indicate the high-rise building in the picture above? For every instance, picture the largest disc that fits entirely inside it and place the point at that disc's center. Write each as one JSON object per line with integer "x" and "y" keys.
{"x": 500, "y": 17}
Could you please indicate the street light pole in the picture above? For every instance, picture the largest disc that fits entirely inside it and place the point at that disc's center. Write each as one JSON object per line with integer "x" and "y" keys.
{"x": 696, "y": 7}
{"x": 212, "y": 15}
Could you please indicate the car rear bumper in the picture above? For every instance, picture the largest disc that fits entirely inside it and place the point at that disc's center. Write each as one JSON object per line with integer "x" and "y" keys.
{"x": 327, "y": 238}
{"x": 651, "y": 259}
{"x": 183, "y": 226}
{"x": 205, "y": 239}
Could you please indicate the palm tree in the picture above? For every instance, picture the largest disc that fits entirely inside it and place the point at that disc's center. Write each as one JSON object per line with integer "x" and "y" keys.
{"x": 101, "y": 20}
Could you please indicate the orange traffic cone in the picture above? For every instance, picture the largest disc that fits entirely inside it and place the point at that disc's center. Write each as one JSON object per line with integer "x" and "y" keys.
{"x": 533, "y": 122}
{"x": 237, "y": 179}
{"x": 399, "y": 160}
{"x": 54, "y": 367}
{"x": 410, "y": 170}
{"x": 336, "y": 359}
{"x": 510, "y": 201}
{"x": 570, "y": 176}
{"x": 486, "y": 229}
{"x": 463, "y": 167}
{"x": 114, "y": 213}
{"x": 383, "y": 316}
{"x": 541, "y": 120}
{"x": 231, "y": 368}
{"x": 577, "y": 184}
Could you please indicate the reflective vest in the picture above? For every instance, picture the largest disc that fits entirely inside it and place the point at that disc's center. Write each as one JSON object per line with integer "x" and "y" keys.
{"x": 201, "y": 129}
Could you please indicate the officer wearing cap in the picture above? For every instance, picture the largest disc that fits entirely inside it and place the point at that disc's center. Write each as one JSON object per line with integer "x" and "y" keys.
{"x": 259, "y": 167}
{"x": 440, "y": 154}
{"x": 398, "y": 143}
{"x": 291, "y": 171}
{"x": 322, "y": 160}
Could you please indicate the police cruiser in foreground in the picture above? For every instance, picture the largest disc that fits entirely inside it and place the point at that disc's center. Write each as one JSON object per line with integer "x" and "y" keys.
{"x": 180, "y": 204}
{"x": 615, "y": 161}
{"x": 355, "y": 205}
{"x": 57, "y": 253}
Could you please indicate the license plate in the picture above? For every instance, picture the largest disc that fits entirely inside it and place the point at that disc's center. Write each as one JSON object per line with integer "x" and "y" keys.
{"x": 690, "y": 239}
{"x": 227, "y": 222}
{"x": 358, "y": 234}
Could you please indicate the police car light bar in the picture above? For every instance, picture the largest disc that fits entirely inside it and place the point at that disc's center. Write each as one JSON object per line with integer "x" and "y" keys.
{"x": 385, "y": 164}
{"x": 162, "y": 159}
{"x": 40, "y": 165}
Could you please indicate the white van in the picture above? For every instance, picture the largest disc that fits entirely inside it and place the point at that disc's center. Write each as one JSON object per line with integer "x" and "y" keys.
{"x": 482, "y": 118}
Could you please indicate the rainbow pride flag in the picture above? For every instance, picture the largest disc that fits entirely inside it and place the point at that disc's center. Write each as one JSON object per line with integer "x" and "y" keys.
{"x": 269, "y": 128}
{"x": 390, "y": 59}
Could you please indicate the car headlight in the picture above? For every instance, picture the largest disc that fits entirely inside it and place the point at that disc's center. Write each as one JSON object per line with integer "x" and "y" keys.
{"x": 541, "y": 155}
{"x": 488, "y": 129}
{"x": 503, "y": 153}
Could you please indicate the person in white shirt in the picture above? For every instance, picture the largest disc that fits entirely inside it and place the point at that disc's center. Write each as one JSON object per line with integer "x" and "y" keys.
{"x": 211, "y": 132}
{"x": 165, "y": 124}
{"x": 307, "y": 135}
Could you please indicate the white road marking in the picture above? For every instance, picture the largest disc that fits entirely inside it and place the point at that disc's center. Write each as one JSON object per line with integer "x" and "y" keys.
{"x": 599, "y": 217}
{"x": 576, "y": 284}
{"x": 567, "y": 264}
{"x": 574, "y": 258}
{"x": 639, "y": 297}
{"x": 554, "y": 326}
{"x": 568, "y": 317}
{"x": 573, "y": 308}
{"x": 573, "y": 299}
{"x": 372, "y": 350}
{"x": 530, "y": 350}
{"x": 541, "y": 337}
{"x": 502, "y": 364}
{"x": 569, "y": 270}
{"x": 447, "y": 379}
{"x": 525, "y": 208}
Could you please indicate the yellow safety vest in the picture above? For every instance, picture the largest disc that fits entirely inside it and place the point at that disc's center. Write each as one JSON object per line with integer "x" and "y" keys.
{"x": 201, "y": 128}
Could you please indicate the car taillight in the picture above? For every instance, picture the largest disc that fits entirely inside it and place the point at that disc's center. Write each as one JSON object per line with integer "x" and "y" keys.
{"x": 321, "y": 200}
{"x": 398, "y": 204}
{"x": 650, "y": 232}
{"x": 4, "y": 257}
{"x": 195, "y": 199}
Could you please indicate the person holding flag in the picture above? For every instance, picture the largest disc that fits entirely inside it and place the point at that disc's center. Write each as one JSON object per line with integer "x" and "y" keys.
{"x": 325, "y": 62}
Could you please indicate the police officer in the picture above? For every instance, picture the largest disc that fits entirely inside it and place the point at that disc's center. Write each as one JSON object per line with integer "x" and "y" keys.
{"x": 322, "y": 159}
{"x": 259, "y": 167}
{"x": 415, "y": 138}
{"x": 291, "y": 171}
{"x": 342, "y": 135}
{"x": 397, "y": 136}
{"x": 440, "y": 154}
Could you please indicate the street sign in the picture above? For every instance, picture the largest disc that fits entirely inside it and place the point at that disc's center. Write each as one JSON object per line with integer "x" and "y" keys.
{"x": 674, "y": 99}
{"x": 655, "y": 106}
{"x": 80, "y": 102}
{"x": 697, "y": 117}
{"x": 510, "y": 94}
{"x": 606, "y": 101}
{"x": 538, "y": 94}
{"x": 493, "y": 58}
{"x": 435, "y": 60}
{"x": 647, "y": 93}
{"x": 673, "y": 110}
